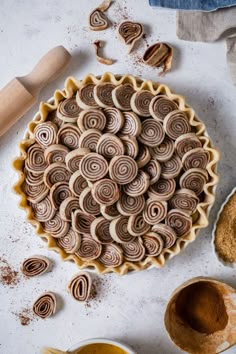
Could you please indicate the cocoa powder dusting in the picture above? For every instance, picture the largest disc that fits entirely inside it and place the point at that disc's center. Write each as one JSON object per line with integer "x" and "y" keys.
{"x": 8, "y": 276}
{"x": 25, "y": 316}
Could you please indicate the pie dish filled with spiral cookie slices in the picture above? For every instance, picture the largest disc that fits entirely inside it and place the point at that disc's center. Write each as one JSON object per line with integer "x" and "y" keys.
{"x": 116, "y": 173}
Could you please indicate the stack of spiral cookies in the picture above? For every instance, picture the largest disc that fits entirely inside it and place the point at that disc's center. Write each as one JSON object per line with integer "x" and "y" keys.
{"x": 115, "y": 175}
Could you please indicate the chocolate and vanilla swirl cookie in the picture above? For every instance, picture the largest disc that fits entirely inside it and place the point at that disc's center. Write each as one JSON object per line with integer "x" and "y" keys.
{"x": 35, "y": 266}
{"x": 45, "y": 134}
{"x": 68, "y": 110}
{"x": 153, "y": 169}
{"x": 139, "y": 185}
{"x": 35, "y": 194}
{"x": 59, "y": 192}
{"x": 176, "y": 124}
{"x": 130, "y": 32}
{"x": 114, "y": 120}
{"x": 160, "y": 106}
{"x": 140, "y": 102}
{"x": 152, "y": 133}
{"x": 45, "y": 305}
{"x": 91, "y": 119}
{"x": 93, "y": 167}
{"x": 35, "y": 161}
{"x": 143, "y": 156}
{"x": 85, "y": 97}
{"x": 133, "y": 251}
{"x": 121, "y": 96}
{"x": 153, "y": 244}
{"x": 67, "y": 207}
{"x": 171, "y": 168}
{"x": 111, "y": 256}
{"x": 70, "y": 243}
{"x": 184, "y": 199}
{"x": 196, "y": 158}
{"x": 77, "y": 183}
{"x": 56, "y": 227}
{"x": 89, "y": 139}
{"x": 194, "y": 179}
{"x": 137, "y": 226}
{"x": 119, "y": 230}
{"x": 123, "y": 169}
{"x": 131, "y": 147}
{"x": 105, "y": 192}
{"x": 186, "y": 142}
{"x": 163, "y": 189}
{"x": 69, "y": 135}
{"x": 56, "y": 153}
{"x": 100, "y": 230}
{"x": 164, "y": 151}
{"x": 180, "y": 221}
{"x": 167, "y": 234}
{"x": 154, "y": 211}
{"x": 128, "y": 205}
{"x": 109, "y": 146}
{"x": 54, "y": 173}
{"x": 80, "y": 286}
{"x": 103, "y": 94}
{"x": 74, "y": 157}
{"x": 132, "y": 124}
{"x": 32, "y": 178}
{"x": 87, "y": 202}
{"x": 81, "y": 221}
{"x": 43, "y": 210}
{"x": 89, "y": 249}
{"x": 110, "y": 212}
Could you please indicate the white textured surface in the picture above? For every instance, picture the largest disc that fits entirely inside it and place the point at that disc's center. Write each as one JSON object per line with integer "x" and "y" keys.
{"x": 130, "y": 308}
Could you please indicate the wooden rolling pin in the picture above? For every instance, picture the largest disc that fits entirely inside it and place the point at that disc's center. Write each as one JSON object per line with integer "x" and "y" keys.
{"x": 20, "y": 94}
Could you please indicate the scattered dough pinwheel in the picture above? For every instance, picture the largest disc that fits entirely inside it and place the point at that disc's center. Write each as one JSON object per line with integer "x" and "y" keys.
{"x": 123, "y": 169}
{"x": 163, "y": 189}
{"x": 77, "y": 183}
{"x": 87, "y": 202}
{"x": 93, "y": 167}
{"x": 152, "y": 133}
{"x": 159, "y": 55}
{"x": 153, "y": 169}
{"x": 91, "y": 119}
{"x": 132, "y": 124}
{"x": 85, "y": 97}
{"x": 56, "y": 172}
{"x": 109, "y": 212}
{"x": 121, "y": 96}
{"x": 110, "y": 145}
{"x": 74, "y": 157}
{"x": 194, "y": 179}
{"x": 89, "y": 139}
{"x": 164, "y": 151}
{"x": 32, "y": 178}
{"x": 160, "y": 106}
{"x": 167, "y": 234}
{"x": 68, "y": 110}
{"x": 80, "y": 286}
{"x": 153, "y": 244}
{"x": 81, "y": 221}
{"x": 119, "y": 230}
{"x": 56, "y": 227}
{"x": 140, "y": 102}
{"x": 35, "y": 161}
{"x": 100, "y": 230}
{"x": 143, "y": 156}
{"x": 128, "y": 205}
{"x": 180, "y": 221}
{"x": 130, "y": 32}
{"x": 184, "y": 199}
{"x": 171, "y": 168}
{"x": 154, "y": 211}
{"x": 70, "y": 243}
{"x": 114, "y": 120}
{"x": 112, "y": 255}
{"x": 59, "y": 192}
{"x": 35, "y": 194}
{"x": 105, "y": 192}
{"x": 56, "y": 153}
{"x": 45, "y": 134}
{"x": 186, "y": 142}
{"x": 43, "y": 210}
{"x": 103, "y": 95}
{"x": 67, "y": 207}
{"x": 35, "y": 265}
{"x": 130, "y": 145}
{"x": 196, "y": 158}
{"x": 139, "y": 185}
{"x": 89, "y": 249}
{"x": 137, "y": 226}
{"x": 97, "y": 20}
{"x": 133, "y": 251}
{"x": 69, "y": 135}
{"x": 176, "y": 124}
{"x": 45, "y": 305}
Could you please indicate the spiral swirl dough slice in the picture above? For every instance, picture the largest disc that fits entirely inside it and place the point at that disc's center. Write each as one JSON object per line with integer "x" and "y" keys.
{"x": 123, "y": 169}
{"x": 154, "y": 211}
{"x": 45, "y": 305}
{"x": 114, "y": 120}
{"x": 105, "y": 192}
{"x": 180, "y": 221}
{"x": 153, "y": 169}
{"x": 35, "y": 161}
{"x": 70, "y": 243}
{"x": 196, "y": 158}
{"x": 103, "y": 94}
{"x": 130, "y": 32}
{"x": 56, "y": 227}
{"x": 69, "y": 136}
{"x": 68, "y": 110}
{"x": 93, "y": 167}
{"x": 128, "y": 205}
{"x": 97, "y": 19}
{"x": 52, "y": 117}
{"x": 74, "y": 157}
{"x": 59, "y": 192}
{"x": 143, "y": 156}
{"x": 157, "y": 55}
{"x": 111, "y": 256}
{"x": 140, "y": 102}
{"x": 32, "y": 178}
{"x": 109, "y": 212}
{"x": 167, "y": 234}
{"x": 100, "y": 230}
{"x": 56, "y": 172}
{"x": 186, "y": 142}
{"x": 176, "y": 124}
{"x": 164, "y": 151}
{"x": 132, "y": 124}
{"x": 56, "y": 153}
{"x": 133, "y": 251}
{"x": 89, "y": 249}
{"x": 109, "y": 145}
{"x": 43, "y": 210}
{"x": 87, "y": 203}
{"x": 160, "y": 106}
{"x": 184, "y": 199}
{"x": 34, "y": 266}
{"x": 139, "y": 185}
{"x": 77, "y": 183}
{"x": 153, "y": 244}
{"x": 45, "y": 134}
{"x": 119, "y": 230}
{"x": 194, "y": 179}
{"x": 80, "y": 286}
{"x": 121, "y": 96}
{"x": 171, "y": 168}
{"x": 91, "y": 119}
{"x": 137, "y": 226}
{"x": 89, "y": 139}
{"x": 152, "y": 133}
{"x": 85, "y": 97}
{"x": 162, "y": 190}
{"x": 35, "y": 194}
{"x": 81, "y": 221}
{"x": 130, "y": 145}
{"x": 67, "y": 207}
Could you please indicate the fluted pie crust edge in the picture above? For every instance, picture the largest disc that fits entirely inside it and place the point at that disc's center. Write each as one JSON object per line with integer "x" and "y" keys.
{"x": 203, "y": 208}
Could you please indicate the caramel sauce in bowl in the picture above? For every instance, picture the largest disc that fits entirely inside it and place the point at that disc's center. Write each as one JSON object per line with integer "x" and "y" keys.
{"x": 100, "y": 346}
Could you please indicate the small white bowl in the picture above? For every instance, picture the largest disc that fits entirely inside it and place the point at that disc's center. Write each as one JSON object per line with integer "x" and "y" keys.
{"x": 81, "y": 344}
{"x": 227, "y": 264}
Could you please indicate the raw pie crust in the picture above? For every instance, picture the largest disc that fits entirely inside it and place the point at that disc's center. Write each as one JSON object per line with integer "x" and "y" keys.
{"x": 210, "y": 155}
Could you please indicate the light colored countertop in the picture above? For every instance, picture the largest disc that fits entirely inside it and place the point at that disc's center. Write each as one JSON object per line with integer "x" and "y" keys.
{"x": 129, "y": 308}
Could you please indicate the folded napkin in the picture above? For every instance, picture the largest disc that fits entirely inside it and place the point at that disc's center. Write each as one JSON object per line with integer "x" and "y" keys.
{"x": 204, "y": 5}
{"x": 208, "y": 27}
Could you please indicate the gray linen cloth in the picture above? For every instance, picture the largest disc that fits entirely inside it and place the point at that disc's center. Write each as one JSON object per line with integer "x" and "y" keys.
{"x": 208, "y": 27}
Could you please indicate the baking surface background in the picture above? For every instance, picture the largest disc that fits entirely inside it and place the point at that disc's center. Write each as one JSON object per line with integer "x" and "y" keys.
{"x": 130, "y": 308}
